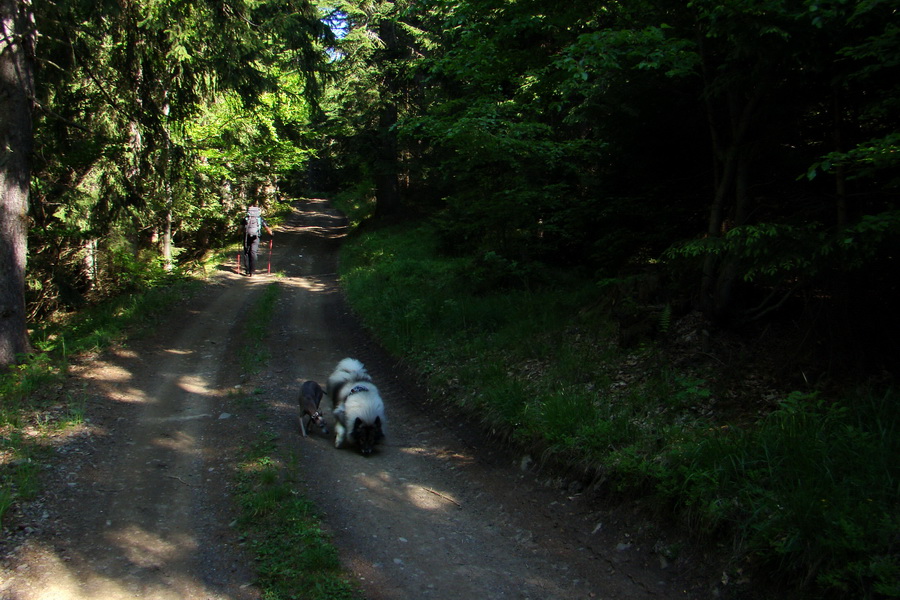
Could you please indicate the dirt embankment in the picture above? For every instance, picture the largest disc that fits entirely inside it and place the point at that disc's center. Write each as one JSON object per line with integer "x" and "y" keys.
{"x": 139, "y": 506}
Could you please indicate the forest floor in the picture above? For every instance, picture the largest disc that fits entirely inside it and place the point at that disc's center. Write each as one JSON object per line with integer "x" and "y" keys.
{"x": 138, "y": 501}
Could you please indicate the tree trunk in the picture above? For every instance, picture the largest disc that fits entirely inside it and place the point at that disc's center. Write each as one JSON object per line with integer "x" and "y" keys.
{"x": 165, "y": 170}
{"x": 728, "y": 272}
{"x": 715, "y": 225}
{"x": 730, "y": 204}
{"x": 16, "y": 137}
{"x": 168, "y": 262}
{"x": 387, "y": 188}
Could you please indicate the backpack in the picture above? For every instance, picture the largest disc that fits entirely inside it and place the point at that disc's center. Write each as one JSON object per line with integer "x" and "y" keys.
{"x": 251, "y": 228}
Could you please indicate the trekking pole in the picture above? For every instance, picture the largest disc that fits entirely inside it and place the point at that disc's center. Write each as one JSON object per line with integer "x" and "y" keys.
{"x": 245, "y": 259}
{"x": 270, "y": 256}
{"x": 238, "y": 263}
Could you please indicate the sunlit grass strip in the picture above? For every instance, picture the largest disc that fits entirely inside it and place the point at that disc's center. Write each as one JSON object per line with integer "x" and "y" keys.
{"x": 294, "y": 557}
{"x": 254, "y": 353}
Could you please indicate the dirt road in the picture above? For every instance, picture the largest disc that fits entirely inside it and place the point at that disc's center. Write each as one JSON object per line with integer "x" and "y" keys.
{"x": 139, "y": 503}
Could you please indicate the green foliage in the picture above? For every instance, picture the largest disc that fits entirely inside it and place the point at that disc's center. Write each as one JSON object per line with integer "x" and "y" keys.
{"x": 868, "y": 160}
{"x": 596, "y": 59}
{"x": 773, "y": 252}
{"x": 601, "y": 135}
{"x": 158, "y": 121}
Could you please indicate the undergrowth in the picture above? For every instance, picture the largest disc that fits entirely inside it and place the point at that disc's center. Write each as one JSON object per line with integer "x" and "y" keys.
{"x": 808, "y": 491}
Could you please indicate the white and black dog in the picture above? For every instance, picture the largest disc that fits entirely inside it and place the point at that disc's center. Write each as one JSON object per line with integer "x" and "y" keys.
{"x": 357, "y": 406}
{"x": 310, "y": 397}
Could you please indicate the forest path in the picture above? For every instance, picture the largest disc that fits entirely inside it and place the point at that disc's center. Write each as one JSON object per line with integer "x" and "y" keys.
{"x": 139, "y": 505}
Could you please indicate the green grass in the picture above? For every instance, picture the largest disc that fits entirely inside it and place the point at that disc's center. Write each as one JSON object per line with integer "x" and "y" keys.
{"x": 357, "y": 203}
{"x": 812, "y": 490}
{"x": 295, "y": 559}
{"x": 21, "y": 468}
{"x": 97, "y": 327}
{"x": 808, "y": 494}
{"x": 253, "y": 353}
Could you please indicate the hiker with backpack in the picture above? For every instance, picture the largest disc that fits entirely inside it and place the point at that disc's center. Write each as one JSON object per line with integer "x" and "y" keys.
{"x": 253, "y": 226}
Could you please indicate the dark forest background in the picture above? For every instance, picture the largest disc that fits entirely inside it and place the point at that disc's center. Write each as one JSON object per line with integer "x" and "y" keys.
{"x": 745, "y": 154}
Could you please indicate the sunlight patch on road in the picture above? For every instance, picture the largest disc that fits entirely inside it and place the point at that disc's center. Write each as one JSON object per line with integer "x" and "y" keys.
{"x": 309, "y": 284}
{"x": 428, "y": 498}
{"x": 52, "y": 576}
{"x": 179, "y": 352}
{"x": 179, "y": 441}
{"x": 113, "y": 373}
{"x": 194, "y": 384}
{"x": 150, "y": 551}
{"x": 384, "y": 486}
{"x": 456, "y": 458}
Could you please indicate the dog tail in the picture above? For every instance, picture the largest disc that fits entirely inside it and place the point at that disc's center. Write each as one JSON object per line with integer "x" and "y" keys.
{"x": 354, "y": 369}
{"x": 348, "y": 370}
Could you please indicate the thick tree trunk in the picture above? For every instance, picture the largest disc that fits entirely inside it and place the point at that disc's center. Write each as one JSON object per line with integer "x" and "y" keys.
{"x": 16, "y": 94}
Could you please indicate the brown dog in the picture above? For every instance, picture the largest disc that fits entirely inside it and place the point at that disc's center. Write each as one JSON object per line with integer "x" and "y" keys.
{"x": 310, "y": 397}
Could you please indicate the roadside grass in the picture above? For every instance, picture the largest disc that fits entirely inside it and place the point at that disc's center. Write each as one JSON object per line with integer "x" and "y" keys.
{"x": 808, "y": 492}
{"x": 98, "y": 326}
{"x": 356, "y": 202}
{"x": 34, "y": 403}
{"x": 295, "y": 559}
